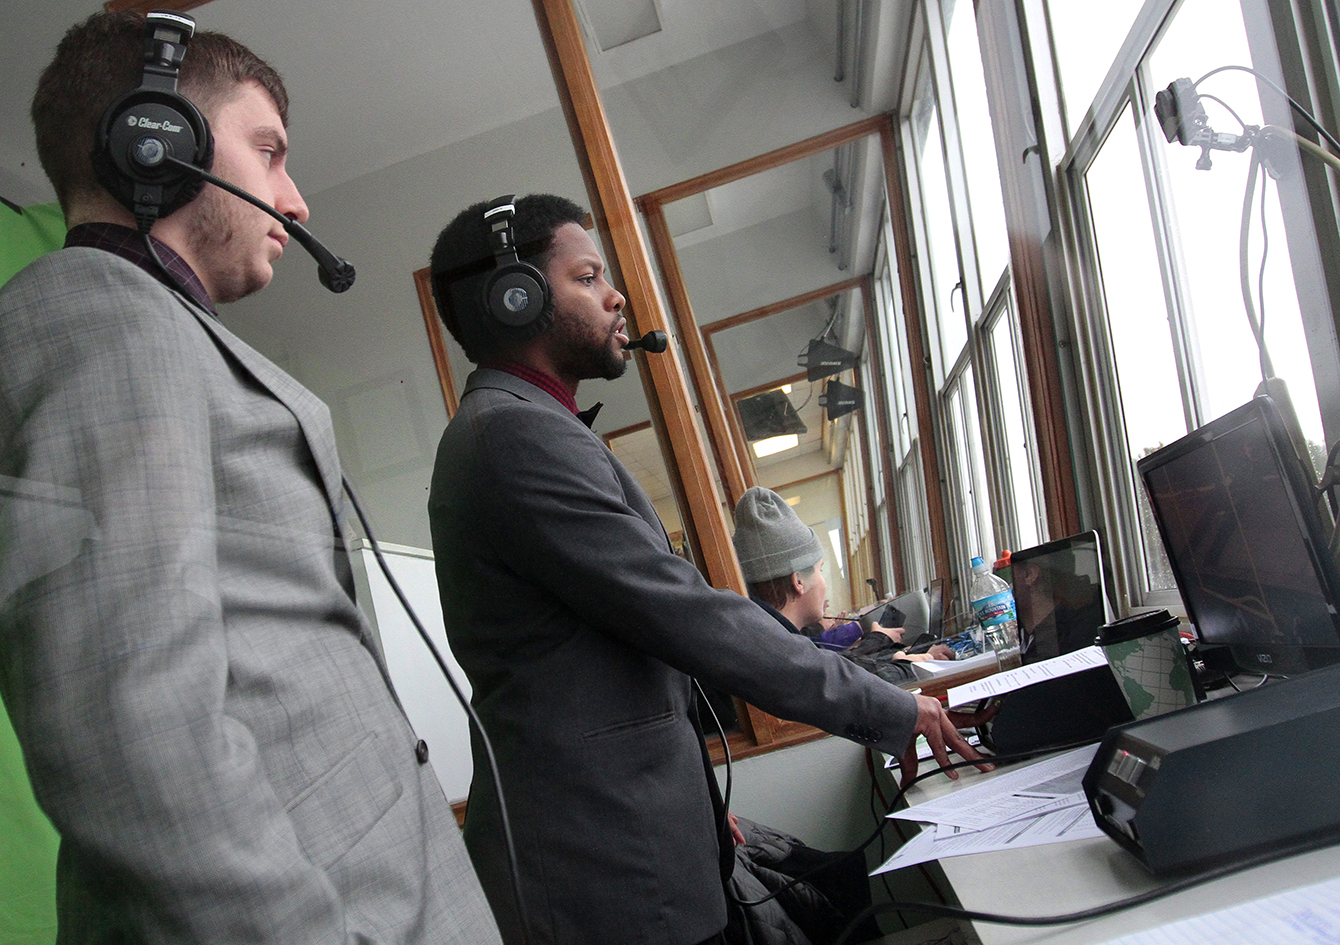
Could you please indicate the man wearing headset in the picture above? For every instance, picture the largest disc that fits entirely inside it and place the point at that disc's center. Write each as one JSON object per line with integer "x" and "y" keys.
{"x": 202, "y": 708}
{"x": 577, "y": 625}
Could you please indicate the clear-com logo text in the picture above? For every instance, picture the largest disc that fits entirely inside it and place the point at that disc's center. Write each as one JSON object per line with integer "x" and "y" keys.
{"x": 152, "y": 125}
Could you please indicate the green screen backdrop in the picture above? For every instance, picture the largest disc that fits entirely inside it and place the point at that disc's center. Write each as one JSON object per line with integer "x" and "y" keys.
{"x": 27, "y": 840}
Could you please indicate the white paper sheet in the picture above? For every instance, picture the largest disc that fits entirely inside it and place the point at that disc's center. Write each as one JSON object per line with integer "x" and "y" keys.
{"x": 1071, "y": 823}
{"x": 926, "y": 669}
{"x": 1008, "y": 681}
{"x": 1307, "y": 916}
{"x": 1009, "y": 795}
{"x": 1041, "y": 803}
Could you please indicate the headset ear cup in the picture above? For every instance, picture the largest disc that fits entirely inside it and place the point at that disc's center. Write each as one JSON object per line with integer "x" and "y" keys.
{"x": 151, "y": 115}
{"x": 518, "y": 301}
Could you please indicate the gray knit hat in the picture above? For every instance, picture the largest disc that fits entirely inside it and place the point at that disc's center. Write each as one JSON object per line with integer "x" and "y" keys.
{"x": 770, "y": 539}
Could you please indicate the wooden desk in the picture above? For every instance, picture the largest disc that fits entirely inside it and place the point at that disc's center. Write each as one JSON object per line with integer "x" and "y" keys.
{"x": 1066, "y": 877}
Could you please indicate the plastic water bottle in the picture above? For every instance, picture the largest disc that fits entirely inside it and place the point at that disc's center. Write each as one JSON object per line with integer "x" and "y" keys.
{"x": 993, "y": 604}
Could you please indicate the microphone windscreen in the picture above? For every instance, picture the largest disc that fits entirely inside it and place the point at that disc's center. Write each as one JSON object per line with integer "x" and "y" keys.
{"x": 653, "y": 342}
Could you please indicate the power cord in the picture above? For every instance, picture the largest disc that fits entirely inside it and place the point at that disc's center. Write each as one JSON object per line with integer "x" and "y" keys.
{"x": 504, "y": 821}
{"x": 725, "y": 750}
{"x": 1183, "y": 118}
{"x": 1096, "y": 912}
{"x": 1307, "y": 116}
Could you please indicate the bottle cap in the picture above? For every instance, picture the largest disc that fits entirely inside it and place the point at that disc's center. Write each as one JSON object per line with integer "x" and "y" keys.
{"x": 977, "y": 562}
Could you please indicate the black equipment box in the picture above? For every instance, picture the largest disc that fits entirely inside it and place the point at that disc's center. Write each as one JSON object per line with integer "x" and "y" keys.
{"x": 1226, "y": 779}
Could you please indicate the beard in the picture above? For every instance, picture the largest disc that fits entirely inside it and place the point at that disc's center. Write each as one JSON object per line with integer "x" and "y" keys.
{"x": 220, "y": 219}
{"x": 586, "y": 351}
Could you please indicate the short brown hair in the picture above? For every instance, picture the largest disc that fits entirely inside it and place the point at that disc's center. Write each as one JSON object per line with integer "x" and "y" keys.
{"x": 777, "y": 592}
{"x": 100, "y": 60}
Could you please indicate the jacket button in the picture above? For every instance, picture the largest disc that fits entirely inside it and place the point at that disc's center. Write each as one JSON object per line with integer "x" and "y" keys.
{"x": 421, "y": 752}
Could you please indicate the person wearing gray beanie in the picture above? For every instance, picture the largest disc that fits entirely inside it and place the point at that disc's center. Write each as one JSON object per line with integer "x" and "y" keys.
{"x": 782, "y": 563}
{"x": 770, "y": 539}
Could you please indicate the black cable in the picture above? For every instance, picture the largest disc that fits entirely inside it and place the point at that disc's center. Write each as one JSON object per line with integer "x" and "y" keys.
{"x": 1266, "y": 79}
{"x": 162, "y": 266}
{"x": 503, "y": 819}
{"x": 725, "y": 750}
{"x": 1096, "y": 912}
{"x": 807, "y": 399}
{"x": 898, "y": 827}
{"x": 1228, "y": 108}
{"x": 875, "y": 811}
{"x": 1259, "y": 683}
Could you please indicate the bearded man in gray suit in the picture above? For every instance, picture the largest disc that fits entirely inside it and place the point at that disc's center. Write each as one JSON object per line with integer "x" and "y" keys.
{"x": 203, "y": 710}
{"x": 578, "y": 626}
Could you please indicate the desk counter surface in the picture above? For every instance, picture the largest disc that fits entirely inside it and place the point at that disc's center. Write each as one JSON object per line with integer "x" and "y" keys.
{"x": 1067, "y": 877}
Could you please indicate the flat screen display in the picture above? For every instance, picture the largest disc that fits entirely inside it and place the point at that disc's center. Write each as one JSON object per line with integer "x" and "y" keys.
{"x": 1247, "y": 547}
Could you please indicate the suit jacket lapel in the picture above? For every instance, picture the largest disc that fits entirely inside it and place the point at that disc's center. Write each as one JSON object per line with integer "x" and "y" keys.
{"x": 525, "y": 390}
{"x": 307, "y": 409}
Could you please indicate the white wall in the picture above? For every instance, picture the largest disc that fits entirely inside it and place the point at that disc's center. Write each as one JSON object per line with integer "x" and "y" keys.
{"x": 427, "y": 698}
{"x": 818, "y": 792}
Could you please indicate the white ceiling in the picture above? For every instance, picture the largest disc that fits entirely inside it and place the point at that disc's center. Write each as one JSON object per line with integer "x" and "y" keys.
{"x": 379, "y": 83}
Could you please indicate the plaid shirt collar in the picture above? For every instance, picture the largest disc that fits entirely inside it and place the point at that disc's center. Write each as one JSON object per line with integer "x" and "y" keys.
{"x": 546, "y": 382}
{"x": 129, "y": 245}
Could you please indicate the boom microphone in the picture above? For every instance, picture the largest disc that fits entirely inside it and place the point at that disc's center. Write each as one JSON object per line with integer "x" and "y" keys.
{"x": 335, "y": 273}
{"x": 653, "y": 342}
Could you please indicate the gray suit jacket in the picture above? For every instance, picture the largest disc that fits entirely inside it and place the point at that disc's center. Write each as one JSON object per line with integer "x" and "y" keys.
{"x": 202, "y": 711}
{"x": 579, "y": 630}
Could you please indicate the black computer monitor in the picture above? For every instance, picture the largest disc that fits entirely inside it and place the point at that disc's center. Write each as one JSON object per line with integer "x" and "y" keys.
{"x": 1236, "y": 509}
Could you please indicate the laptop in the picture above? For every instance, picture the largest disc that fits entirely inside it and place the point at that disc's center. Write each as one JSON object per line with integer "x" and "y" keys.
{"x": 1060, "y": 597}
{"x": 1060, "y": 600}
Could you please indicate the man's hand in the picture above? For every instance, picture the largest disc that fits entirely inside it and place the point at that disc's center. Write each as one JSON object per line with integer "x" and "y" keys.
{"x": 735, "y": 833}
{"x": 893, "y": 633}
{"x": 941, "y": 731}
{"x": 940, "y": 651}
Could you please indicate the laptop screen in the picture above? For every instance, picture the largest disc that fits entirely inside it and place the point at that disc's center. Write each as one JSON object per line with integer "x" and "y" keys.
{"x": 1059, "y": 596}
{"x": 935, "y": 605}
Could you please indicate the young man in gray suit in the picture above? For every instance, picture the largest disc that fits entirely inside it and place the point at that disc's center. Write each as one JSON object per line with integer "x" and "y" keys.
{"x": 203, "y": 711}
{"x": 577, "y": 625}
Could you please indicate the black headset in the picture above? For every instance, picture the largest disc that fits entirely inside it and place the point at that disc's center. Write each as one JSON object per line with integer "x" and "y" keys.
{"x": 517, "y": 300}
{"x": 147, "y": 125}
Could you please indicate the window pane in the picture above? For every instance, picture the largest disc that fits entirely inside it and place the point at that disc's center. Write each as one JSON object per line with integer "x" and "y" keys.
{"x": 1018, "y": 453}
{"x": 949, "y": 315}
{"x": 887, "y": 317}
{"x": 1207, "y": 211}
{"x": 969, "y": 483}
{"x": 1087, "y": 38}
{"x": 978, "y": 142}
{"x": 912, "y": 521}
{"x": 876, "y": 438}
{"x": 981, "y": 498}
{"x": 1137, "y": 313}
